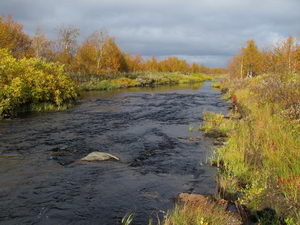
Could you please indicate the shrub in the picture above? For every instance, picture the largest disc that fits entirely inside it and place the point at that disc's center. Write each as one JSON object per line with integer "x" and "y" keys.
{"x": 124, "y": 82}
{"x": 26, "y": 81}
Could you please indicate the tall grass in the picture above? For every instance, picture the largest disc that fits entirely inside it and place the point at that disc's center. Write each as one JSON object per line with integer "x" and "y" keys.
{"x": 206, "y": 214}
{"x": 261, "y": 160}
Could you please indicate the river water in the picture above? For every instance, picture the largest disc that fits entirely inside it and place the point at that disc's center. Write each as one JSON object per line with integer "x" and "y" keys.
{"x": 41, "y": 181}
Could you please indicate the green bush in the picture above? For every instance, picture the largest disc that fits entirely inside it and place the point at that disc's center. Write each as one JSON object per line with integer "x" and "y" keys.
{"x": 32, "y": 81}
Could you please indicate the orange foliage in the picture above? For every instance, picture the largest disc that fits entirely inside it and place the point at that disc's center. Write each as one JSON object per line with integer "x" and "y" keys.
{"x": 13, "y": 38}
{"x": 282, "y": 58}
{"x": 87, "y": 56}
{"x": 135, "y": 63}
{"x": 112, "y": 59}
{"x": 98, "y": 54}
{"x": 43, "y": 48}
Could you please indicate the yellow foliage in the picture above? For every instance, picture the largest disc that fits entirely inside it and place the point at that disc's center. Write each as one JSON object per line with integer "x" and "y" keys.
{"x": 27, "y": 81}
{"x": 124, "y": 82}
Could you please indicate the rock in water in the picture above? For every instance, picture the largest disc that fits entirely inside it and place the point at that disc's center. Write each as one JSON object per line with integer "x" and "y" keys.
{"x": 99, "y": 156}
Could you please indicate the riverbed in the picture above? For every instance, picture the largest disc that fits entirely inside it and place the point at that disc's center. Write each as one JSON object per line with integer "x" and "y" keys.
{"x": 153, "y": 132}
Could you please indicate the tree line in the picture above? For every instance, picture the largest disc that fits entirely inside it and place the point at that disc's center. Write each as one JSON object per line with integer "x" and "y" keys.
{"x": 97, "y": 54}
{"x": 281, "y": 58}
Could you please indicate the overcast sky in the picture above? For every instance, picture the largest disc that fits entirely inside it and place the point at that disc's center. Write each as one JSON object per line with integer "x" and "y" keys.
{"x": 205, "y": 31}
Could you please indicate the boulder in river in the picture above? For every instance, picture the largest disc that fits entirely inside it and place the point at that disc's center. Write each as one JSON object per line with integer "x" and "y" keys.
{"x": 99, "y": 156}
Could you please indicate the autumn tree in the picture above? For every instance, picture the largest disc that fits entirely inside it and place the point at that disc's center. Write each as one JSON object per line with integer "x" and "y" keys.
{"x": 250, "y": 60}
{"x": 85, "y": 58}
{"x": 235, "y": 67}
{"x": 297, "y": 58}
{"x": 134, "y": 63}
{"x": 284, "y": 58}
{"x": 195, "y": 68}
{"x": 289, "y": 50}
{"x": 112, "y": 57}
{"x": 66, "y": 44}
{"x": 97, "y": 40}
{"x": 90, "y": 53}
{"x": 43, "y": 48}
{"x": 13, "y": 38}
{"x": 152, "y": 64}
{"x": 174, "y": 64}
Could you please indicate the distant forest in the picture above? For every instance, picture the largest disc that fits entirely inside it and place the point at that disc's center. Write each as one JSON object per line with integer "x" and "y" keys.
{"x": 97, "y": 54}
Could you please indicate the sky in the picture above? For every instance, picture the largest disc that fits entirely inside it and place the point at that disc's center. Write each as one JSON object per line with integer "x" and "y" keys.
{"x": 209, "y": 32}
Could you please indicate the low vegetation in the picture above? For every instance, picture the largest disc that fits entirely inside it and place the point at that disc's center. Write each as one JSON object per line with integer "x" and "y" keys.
{"x": 261, "y": 161}
{"x": 142, "y": 79}
{"x": 205, "y": 214}
{"x": 215, "y": 125}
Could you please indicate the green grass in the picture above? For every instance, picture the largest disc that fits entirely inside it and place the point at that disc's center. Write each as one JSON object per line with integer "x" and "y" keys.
{"x": 146, "y": 79}
{"x": 42, "y": 107}
{"x": 127, "y": 219}
{"x": 49, "y": 107}
{"x": 215, "y": 125}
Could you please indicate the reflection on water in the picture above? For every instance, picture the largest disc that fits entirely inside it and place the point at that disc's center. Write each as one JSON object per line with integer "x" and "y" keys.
{"x": 42, "y": 183}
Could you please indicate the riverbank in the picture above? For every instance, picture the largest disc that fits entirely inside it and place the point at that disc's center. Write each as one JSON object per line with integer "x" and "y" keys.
{"x": 259, "y": 163}
{"x": 258, "y": 155}
{"x": 32, "y": 85}
{"x": 141, "y": 79}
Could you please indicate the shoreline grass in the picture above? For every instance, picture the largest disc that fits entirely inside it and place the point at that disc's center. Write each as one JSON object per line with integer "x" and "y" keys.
{"x": 145, "y": 79}
{"x": 208, "y": 213}
{"x": 261, "y": 159}
{"x": 42, "y": 107}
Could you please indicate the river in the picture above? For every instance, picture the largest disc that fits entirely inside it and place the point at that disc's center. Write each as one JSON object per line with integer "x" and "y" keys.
{"x": 148, "y": 129}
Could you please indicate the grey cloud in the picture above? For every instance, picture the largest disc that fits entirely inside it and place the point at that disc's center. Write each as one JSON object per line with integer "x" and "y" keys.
{"x": 205, "y": 31}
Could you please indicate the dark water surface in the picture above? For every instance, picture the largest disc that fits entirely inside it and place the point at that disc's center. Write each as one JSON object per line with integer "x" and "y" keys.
{"x": 41, "y": 183}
